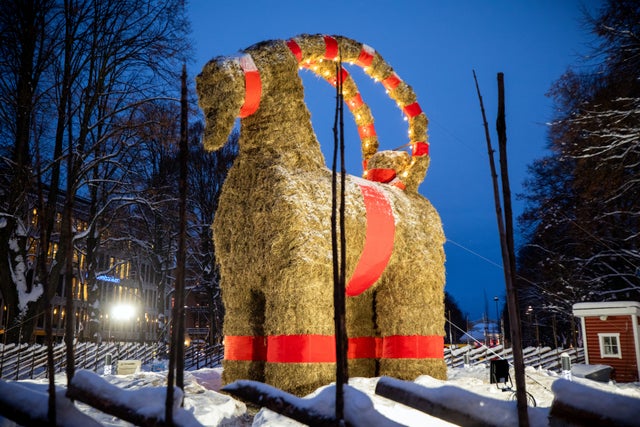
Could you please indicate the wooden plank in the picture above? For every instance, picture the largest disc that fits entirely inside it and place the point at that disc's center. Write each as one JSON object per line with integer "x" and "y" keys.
{"x": 96, "y": 392}
{"x": 577, "y": 405}
{"x": 416, "y": 396}
{"x": 279, "y": 401}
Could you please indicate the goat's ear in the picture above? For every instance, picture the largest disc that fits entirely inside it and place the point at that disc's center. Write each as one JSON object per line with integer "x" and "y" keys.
{"x": 220, "y": 88}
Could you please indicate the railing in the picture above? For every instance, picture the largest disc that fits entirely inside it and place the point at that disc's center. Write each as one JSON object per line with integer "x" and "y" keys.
{"x": 18, "y": 362}
{"x": 539, "y": 357}
{"x": 30, "y": 361}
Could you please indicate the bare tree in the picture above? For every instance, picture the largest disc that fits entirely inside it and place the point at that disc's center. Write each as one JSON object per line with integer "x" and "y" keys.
{"x": 582, "y": 218}
{"x": 25, "y": 56}
{"x": 111, "y": 58}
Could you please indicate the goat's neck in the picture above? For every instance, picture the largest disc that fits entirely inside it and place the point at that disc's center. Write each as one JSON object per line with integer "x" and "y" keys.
{"x": 283, "y": 134}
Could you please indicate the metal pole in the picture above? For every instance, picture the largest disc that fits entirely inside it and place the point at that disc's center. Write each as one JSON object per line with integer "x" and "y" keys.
{"x": 497, "y": 319}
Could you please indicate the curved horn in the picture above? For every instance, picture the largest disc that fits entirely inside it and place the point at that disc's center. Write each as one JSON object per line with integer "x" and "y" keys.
{"x": 317, "y": 53}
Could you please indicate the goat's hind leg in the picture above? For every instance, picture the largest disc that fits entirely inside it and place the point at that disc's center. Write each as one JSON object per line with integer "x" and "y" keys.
{"x": 411, "y": 321}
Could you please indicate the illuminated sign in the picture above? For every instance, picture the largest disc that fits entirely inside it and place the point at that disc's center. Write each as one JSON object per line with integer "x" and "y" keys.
{"x": 106, "y": 278}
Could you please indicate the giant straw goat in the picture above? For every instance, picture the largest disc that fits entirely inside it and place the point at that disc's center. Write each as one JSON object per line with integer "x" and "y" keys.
{"x": 272, "y": 229}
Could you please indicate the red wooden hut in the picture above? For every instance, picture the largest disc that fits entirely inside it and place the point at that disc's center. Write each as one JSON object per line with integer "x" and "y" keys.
{"x": 611, "y": 336}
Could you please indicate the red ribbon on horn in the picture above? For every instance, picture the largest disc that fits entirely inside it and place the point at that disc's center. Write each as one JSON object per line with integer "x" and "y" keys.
{"x": 366, "y": 56}
{"x": 331, "y": 48}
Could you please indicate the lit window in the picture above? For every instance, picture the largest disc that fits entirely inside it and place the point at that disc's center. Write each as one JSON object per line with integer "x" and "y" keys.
{"x": 610, "y": 345}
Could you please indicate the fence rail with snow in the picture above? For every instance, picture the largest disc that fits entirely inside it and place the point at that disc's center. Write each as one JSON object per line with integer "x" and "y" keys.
{"x": 19, "y": 362}
{"x": 539, "y": 357}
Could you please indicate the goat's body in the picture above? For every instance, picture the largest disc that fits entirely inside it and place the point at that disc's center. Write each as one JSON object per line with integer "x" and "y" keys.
{"x": 272, "y": 234}
{"x": 274, "y": 247}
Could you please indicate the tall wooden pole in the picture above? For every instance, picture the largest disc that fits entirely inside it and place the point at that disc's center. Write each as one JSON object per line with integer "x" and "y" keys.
{"x": 512, "y": 293}
{"x": 176, "y": 351}
{"x": 506, "y": 245}
{"x": 182, "y": 239}
{"x": 41, "y": 273}
{"x": 339, "y": 251}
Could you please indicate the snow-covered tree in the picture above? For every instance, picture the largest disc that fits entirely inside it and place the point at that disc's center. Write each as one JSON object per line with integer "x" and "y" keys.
{"x": 582, "y": 218}
{"x": 108, "y": 59}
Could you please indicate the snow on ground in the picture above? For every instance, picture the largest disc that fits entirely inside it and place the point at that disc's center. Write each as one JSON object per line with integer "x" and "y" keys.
{"x": 211, "y": 408}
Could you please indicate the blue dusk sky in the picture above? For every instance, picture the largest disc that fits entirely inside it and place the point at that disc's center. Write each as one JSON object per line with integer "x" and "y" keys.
{"x": 434, "y": 46}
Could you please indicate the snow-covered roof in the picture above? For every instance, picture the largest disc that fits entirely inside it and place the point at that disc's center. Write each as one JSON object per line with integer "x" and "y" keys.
{"x": 610, "y": 308}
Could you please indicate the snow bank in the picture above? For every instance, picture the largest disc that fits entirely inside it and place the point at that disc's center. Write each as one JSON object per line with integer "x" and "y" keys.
{"x": 600, "y": 406}
{"x": 32, "y": 399}
{"x": 468, "y": 389}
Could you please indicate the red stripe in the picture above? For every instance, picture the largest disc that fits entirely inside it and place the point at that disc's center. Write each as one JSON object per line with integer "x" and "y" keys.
{"x": 413, "y": 110}
{"x": 391, "y": 82}
{"x": 321, "y": 348}
{"x": 378, "y": 244}
{"x": 397, "y": 183}
{"x": 354, "y": 102}
{"x": 343, "y": 75}
{"x": 295, "y": 49}
{"x": 301, "y": 349}
{"x": 331, "y": 47}
{"x": 366, "y": 56}
{"x": 413, "y": 347}
{"x": 419, "y": 148}
{"x": 252, "y": 87}
{"x": 383, "y": 175}
{"x": 364, "y": 348}
{"x": 366, "y": 130}
{"x": 244, "y": 347}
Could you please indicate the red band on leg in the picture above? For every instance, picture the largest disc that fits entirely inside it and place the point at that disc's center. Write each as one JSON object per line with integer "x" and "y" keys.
{"x": 301, "y": 349}
{"x": 413, "y": 347}
{"x": 244, "y": 347}
{"x": 364, "y": 348}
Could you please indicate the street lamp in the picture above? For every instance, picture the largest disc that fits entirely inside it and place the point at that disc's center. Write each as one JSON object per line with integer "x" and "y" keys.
{"x": 496, "y": 299}
{"x": 121, "y": 312}
{"x": 535, "y": 317}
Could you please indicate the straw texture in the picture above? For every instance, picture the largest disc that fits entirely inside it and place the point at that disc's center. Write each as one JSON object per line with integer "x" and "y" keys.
{"x": 272, "y": 228}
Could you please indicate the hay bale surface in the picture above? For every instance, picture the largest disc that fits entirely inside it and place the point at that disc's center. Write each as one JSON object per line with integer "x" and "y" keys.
{"x": 272, "y": 227}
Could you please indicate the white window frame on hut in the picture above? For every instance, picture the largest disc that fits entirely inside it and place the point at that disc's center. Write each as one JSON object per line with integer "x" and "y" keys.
{"x": 610, "y": 345}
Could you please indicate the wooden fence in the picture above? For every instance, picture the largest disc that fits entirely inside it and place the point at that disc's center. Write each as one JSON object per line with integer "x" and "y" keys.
{"x": 19, "y": 362}
{"x": 538, "y": 357}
